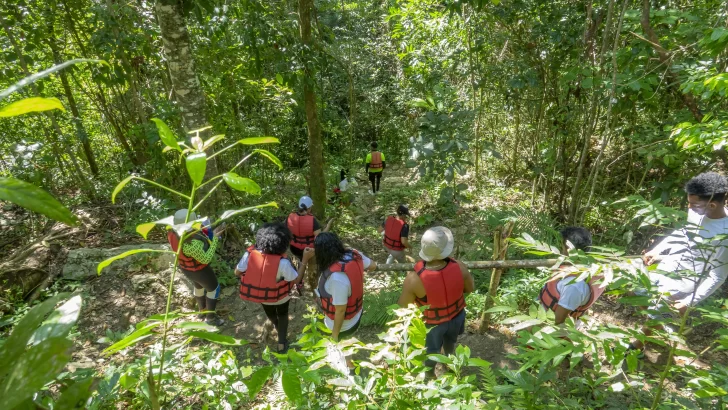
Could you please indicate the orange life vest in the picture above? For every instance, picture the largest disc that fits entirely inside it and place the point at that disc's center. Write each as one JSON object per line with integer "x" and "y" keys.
{"x": 444, "y": 290}
{"x": 354, "y": 270}
{"x": 392, "y": 233}
{"x": 376, "y": 160}
{"x": 258, "y": 283}
{"x": 550, "y": 296}
{"x": 301, "y": 226}
{"x": 188, "y": 263}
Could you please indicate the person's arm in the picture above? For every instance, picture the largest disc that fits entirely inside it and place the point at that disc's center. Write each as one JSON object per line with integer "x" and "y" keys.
{"x": 369, "y": 265}
{"x": 675, "y": 240}
{"x": 716, "y": 277}
{"x": 468, "y": 281}
{"x": 384, "y": 164}
{"x": 195, "y": 248}
{"x": 328, "y": 225}
{"x": 338, "y": 321}
{"x": 560, "y": 314}
{"x": 408, "y": 293}
{"x": 405, "y": 242}
{"x": 242, "y": 266}
{"x": 380, "y": 228}
{"x": 308, "y": 253}
{"x": 404, "y": 236}
{"x": 289, "y": 273}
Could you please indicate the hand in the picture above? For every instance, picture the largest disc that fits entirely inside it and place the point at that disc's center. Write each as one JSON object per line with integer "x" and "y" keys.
{"x": 308, "y": 253}
{"x": 681, "y": 307}
{"x": 648, "y": 259}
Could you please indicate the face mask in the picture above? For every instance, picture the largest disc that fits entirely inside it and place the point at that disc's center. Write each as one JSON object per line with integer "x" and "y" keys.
{"x": 695, "y": 218}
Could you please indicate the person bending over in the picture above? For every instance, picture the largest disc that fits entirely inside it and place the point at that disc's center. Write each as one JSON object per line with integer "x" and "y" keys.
{"x": 565, "y": 295}
{"x": 440, "y": 283}
{"x": 267, "y": 276}
{"x": 396, "y": 232}
{"x": 194, "y": 263}
{"x": 698, "y": 249}
{"x": 374, "y": 165}
{"x": 341, "y": 283}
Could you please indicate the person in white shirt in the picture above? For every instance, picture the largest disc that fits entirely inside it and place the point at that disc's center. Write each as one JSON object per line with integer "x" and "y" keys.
{"x": 565, "y": 295}
{"x": 698, "y": 252}
{"x": 267, "y": 276}
{"x": 341, "y": 284}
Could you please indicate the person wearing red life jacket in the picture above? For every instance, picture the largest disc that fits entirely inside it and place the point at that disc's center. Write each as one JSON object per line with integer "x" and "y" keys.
{"x": 267, "y": 277}
{"x": 374, "y": 166}
{"x": 304, "y": 227}
{"x": 396, "y": 232}
{"x": 440, "y": 283}
{"x": 565, "y": 295}
{"x": 194, "y": 263}
{"x": 341, "y": 284}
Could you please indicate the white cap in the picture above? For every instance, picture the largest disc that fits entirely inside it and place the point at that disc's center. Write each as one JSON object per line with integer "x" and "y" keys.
{"x": 181, "y": 215}
{"x": 305, "y": 201}
{"x": 437, "y": 243}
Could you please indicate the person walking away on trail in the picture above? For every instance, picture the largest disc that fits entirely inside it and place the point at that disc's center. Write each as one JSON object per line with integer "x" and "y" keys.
{"x": 340, "y": 191}
{"x": 194, "y": 263}
{"x": 396, "y": 233}
{"x": 267, "y": 277}
{"x": 700, "y": 249}
{"x": 304, "y": 228}
{"x": 374, "y": 165}
{"x": 440, "y": 283}
{"x": 565, "y": 295}
{"x": 341, "y": 284}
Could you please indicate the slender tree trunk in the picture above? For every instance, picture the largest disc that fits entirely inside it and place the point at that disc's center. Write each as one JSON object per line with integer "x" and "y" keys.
{"x": 315, "y": 145}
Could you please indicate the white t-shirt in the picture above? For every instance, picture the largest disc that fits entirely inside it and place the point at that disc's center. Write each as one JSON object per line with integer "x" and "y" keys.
{"x": 684, "y": 254}
{"x": 572, "y": 293}
{"x": 286, "y": 272}
{"x": 339, "y": 287}
{"x": 343, "y": 185}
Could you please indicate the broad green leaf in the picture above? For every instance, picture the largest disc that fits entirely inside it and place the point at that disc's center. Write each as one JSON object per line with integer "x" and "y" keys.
{"x": 197, "y": 143}
{"x": 33, "y": 104}
{"x": 212, "y": 140}
{"x": 108, "y": 262}
{"x": 257, "y": 380}
{"x": 119, "y": 187}
{"x": 440, "y": 358}
{"x": 216, "y": 338}
{"x": 23, "y": 331}
{"x": 166, "y": 135}
{"x": 37, "y": 76}
{"x": 292, "y": 385}
{"x": 196, "y": 165}
{"x": 239, "y": 183}
{"x": 33, "y": 369}
{"x": 199, "y": 130}
{"x": 233, "y": 212}
{"x": 134, "y": 338}
{"x": 259, "y": 140}
{"x": 195, "y": 326}
{"x": 35, "y": 199}
{"x": 143, "y": 229}
{"x": 279, "y": 78}
{"x": 270, "y": 156}
{"x": 474, "y": 361}
{"x": 60, "y": 321}
{"x": 75, "y": 395}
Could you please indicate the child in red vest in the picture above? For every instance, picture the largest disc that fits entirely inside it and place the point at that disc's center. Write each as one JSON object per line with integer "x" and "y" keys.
{"x": 304, "y": 228}
{"x": 565, "y": 295}
{"x": 267, "y": 277}
{"x": 396, "y": 232}
{"x": 440, "y": 283}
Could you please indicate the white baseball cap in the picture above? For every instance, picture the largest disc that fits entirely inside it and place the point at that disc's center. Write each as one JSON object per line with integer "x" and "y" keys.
{"x": 306, "y": 202}
{"x": 181, "y": 215}
{"x": 437, "y": 243}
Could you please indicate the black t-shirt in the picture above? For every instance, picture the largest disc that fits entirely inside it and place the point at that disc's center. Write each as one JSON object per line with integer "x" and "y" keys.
{"x": 405, "y": 229}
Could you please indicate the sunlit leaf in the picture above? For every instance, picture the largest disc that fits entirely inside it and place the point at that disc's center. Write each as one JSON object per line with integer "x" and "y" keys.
{"x": 212, "y": 140}
{"x": 292, "y": 385}
{"x": 59, "y": 322}
{"x": 108, "y": 262}
{"x": 134, "y": 338}
{"x": 166, "y": 134}
{"x": 119, "y": 187}
{"x": 259, "y": 140}
{"x": 33, "y": 104}
{"x": 270, "y": 156}
{"x": 233, "y": 212}
{"x": 35, "y": 199}
{"x": 216, "y": 338}
{"x": 199, "y": 130}
{"x": 196, "y": 165}
{"x": 257, "y": 380}
{"x": 197, "y": 143}
{"x": 143, "y": 229}
{"x": 37, "y": 76}
{"x": 239, "y": 183}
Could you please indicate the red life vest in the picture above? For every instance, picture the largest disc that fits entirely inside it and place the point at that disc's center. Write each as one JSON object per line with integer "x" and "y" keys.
{"x": 376, "y": 160}
{"x": 392, "y": 233}
{"x": 187, "y": 263}
{"x": 444, "y": 290}
{"x": 258, "y": 283}
{"x": 354, "y": 270}
{"x": 550, "y": 296}
{"x": 301, "y": 226}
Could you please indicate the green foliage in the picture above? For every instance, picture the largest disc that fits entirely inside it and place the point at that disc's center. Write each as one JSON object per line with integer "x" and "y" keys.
{"x": 31, "y": 197}
{"x": 33, "y": 104}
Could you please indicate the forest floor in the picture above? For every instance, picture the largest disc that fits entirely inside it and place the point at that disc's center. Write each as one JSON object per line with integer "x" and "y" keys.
{"x": 114, "y": 302}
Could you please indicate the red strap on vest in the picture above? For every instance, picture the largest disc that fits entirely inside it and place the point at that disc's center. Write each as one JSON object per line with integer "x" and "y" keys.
{"x": 392, "y": 233}
{"x": 301, "y": 227}
{"x": 258, "y": 283}
{"x": 376, "y": 160}
{"x": 354, "y": 270}
{"x": 185, "y": 262}
{"x": 444, "y": 292}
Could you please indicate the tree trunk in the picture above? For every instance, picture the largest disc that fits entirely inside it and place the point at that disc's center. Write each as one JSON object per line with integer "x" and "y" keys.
{"x": 315, "y": 145}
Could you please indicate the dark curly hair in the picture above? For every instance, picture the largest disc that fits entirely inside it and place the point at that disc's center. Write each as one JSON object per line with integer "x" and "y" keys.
{"x": 374, "y": 145}
{"x": 708, "y": 186}
{"x": 579, "y": 237}
{"x": 273, "y": 238}
{"x": 329, "y": 250}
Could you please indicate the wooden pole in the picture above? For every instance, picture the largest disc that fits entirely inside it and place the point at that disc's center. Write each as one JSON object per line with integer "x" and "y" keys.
{"x": 500, "y": 247}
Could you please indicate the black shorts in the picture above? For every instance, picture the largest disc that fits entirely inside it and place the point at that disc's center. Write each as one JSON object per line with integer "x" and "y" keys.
{"x": 445, "y": 332}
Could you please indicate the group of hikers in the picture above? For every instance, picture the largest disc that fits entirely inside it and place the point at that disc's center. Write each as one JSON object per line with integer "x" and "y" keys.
{"x": 439, "y": 282}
